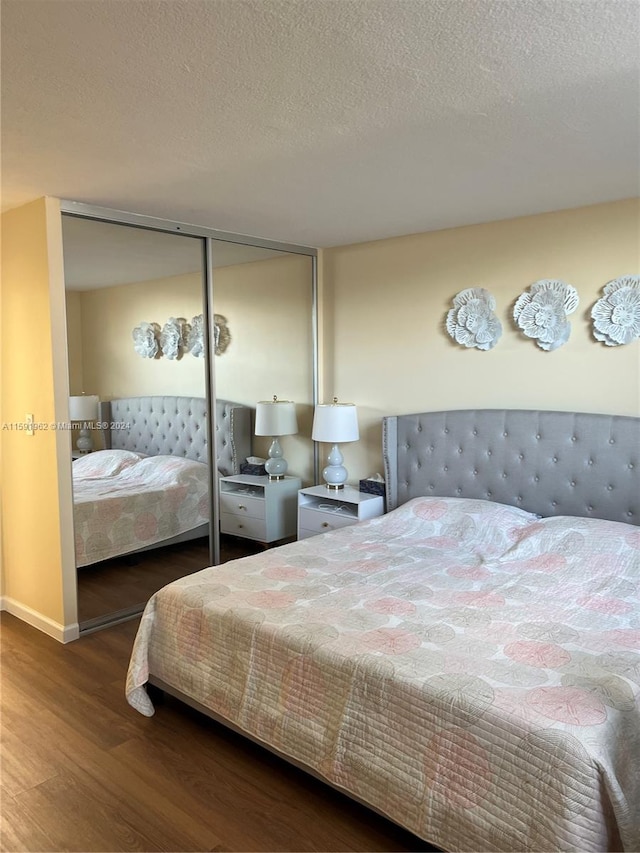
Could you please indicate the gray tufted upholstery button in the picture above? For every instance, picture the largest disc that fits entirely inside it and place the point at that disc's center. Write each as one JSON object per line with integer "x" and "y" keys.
{"x": 590, "y": 508}
{"x": 418, "y": 464}
{"x": 505, "y": 434}
{"x": 488, "y": 494}
{"x": 475, "y": 432}
{"x": 574, "y": 438}
{"x": 419, "y": 427}
{"x": 609, "y": 488}
{"x": 572, "y": 483}
{"x": 521, "y": 456}
{"x": 612, "y": 441}
{"x": 629, "y": 514}
{"x": 538, "y": 436}
{"x": 630, "y": 466}
{"x": 554, "y": 503}
{"x": 459, "y": 450}
{"x": 590, "y": 462}
{"x": 446, "y": 468}
{"x": 504, "y": 475}
{"x": 489, "y": 452}
{"x": 458, "y": 491}
{"x": 475, "y": 472}
{"x": 446, "y": 430}
{"x": 519, "y": 499}
{"x": 555, "y": 459}
{"x": 537, "y": 479}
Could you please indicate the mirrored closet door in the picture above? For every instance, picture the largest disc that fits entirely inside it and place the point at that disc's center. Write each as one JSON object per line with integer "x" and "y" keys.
{"x": 263, "y": 304}
{"x": 176, "y": 342}
{"x": 132, "y": 296}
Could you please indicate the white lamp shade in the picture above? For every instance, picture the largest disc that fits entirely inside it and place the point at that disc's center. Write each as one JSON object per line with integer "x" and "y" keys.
{"x": 335, "y": 423}
{"x": 84, "y": 408}
{"x": 276, "y": 417}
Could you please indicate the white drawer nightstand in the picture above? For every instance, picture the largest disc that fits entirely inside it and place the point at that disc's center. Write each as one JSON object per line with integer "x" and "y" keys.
{"x": 321, "y": 509}
{"x": 258, "y": 508}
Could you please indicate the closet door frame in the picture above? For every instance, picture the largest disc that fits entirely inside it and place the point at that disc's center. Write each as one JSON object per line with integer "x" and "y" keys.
{"x": 209, "y": 236}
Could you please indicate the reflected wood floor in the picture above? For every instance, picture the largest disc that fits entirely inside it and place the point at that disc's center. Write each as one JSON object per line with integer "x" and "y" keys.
{"x": 82, "y": 771}
{"x": 128, "y": 582}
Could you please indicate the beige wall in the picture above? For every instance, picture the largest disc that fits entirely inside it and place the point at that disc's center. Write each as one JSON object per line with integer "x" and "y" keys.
{"x": 268, "y": 308}
{"x": 110, "y": 365}
{"x": 268, "y": 305}
{"x": 384, "y": 306}
{"x": 74, "y": 341}
{"x": 37, "y": 541}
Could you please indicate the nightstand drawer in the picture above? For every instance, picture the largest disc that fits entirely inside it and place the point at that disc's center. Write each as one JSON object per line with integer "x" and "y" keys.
{"x": 316, "y": 521}
{"x": 237, "y": 525}
{"x": 242, "y": 505}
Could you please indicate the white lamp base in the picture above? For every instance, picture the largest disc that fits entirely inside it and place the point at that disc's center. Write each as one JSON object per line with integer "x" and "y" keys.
{"x": 84, "y": 442}
{"x": 335, "y": 474}
{"x": 276, "y": 465}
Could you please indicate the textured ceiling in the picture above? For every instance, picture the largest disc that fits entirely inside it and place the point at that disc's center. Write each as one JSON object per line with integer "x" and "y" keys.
{"x": 322, "y": 122}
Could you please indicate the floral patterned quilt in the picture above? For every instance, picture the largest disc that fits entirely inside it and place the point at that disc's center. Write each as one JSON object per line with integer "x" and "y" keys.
{"x": 464, "y": 667}
{"x": 123, "y": 501}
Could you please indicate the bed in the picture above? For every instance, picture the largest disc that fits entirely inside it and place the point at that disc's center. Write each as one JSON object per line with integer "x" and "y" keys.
{"x": 468, "y": 664}
{"x": 149, "y": 487}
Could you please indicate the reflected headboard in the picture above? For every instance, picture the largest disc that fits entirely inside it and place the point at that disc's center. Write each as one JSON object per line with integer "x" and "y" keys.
{"x": 550, "y": 463}
{"x": 176, "y": 426}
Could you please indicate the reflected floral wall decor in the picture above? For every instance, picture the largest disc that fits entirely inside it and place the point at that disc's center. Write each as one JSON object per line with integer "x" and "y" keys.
{"x": 222, "y": 335}
{"x": 145, "y": 339}
{"x": 195, "y": 337}
{"x": 472, "y": 321}
{"x": 173, "y": 338}
{"x": 616, "y": 315}
{"x": 541, "y": 312}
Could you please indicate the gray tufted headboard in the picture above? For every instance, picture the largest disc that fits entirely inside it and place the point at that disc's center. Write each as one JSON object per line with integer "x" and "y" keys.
{"x": 176, "y": 426}
{"x": 550, "y": 463}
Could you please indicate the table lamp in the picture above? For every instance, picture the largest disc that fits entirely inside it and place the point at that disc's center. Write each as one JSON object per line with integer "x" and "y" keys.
{"x": 85, "y": 409}
{"x": 276, "y": 418}
{"x": 335, "y": 423}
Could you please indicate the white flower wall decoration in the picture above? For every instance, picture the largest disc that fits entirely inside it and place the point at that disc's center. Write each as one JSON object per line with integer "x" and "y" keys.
{"x": 173, "y": 338}
{"x": 195, "y": 338}
{"x": 472, "y": 321}
{"x": 616, "y": 315}
{"x": 541, "y": 312}
{"x": 222, "y": 334}
{"x": 145, "y": 339}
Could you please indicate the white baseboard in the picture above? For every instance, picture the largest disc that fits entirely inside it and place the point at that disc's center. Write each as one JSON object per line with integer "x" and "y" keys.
{"x": 61, "y": 633}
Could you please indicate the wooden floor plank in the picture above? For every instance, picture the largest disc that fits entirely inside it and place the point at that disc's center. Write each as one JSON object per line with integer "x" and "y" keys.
{"x": 18, "y": 832}
{"x": 87, "y": 772}
{"x": 130, "y": 581}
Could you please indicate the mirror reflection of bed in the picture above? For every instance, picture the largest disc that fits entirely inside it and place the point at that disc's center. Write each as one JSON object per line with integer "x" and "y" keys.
{"x": 141, "y": 504}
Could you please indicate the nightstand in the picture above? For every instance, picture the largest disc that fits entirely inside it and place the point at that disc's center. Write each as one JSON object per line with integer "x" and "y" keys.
{"x": 321, "y": 509}
{"x": 258, "y": 508}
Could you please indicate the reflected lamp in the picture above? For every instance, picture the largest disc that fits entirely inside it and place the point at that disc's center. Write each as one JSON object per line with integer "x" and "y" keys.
{"x": 335, "y": 423}
{"x": 276, "y": 418}
{"x": 84, "y": 409}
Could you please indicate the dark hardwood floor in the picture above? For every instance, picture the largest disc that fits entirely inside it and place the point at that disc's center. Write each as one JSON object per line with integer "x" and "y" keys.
{"x": 127, "y": 583}
{"x": 82, "y": 771}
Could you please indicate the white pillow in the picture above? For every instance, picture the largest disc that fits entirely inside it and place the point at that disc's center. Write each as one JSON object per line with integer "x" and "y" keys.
{"x": 166, "y": 470}
{"x": 483, "y": 527}
{"x": 104, "y": 463}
